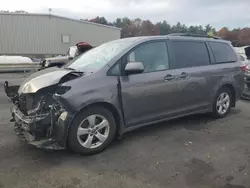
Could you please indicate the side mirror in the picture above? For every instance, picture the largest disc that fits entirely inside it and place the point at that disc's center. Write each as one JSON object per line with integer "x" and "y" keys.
{"x": 134, "y": 68}
{"x": 71, "y": 58}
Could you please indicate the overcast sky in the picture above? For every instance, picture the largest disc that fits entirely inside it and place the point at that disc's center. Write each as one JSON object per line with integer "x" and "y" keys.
{"x": 218, "y": 13}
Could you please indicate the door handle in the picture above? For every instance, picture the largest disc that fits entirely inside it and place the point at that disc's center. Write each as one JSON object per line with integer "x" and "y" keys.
{"x": 183, "y": 75}
{"x": 169, "y": 77}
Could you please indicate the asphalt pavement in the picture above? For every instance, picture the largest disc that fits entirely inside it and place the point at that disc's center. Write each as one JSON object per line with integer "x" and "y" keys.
{"x": 192, "y": 152}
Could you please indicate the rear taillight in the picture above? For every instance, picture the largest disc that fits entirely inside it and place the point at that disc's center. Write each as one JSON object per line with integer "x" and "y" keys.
{"x": 243, "y": 68}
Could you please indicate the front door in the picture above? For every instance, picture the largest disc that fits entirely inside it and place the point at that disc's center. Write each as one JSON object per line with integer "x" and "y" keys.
{"x": 153, "y": 94}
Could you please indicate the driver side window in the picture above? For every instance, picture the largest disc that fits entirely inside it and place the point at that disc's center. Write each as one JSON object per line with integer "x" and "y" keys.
{"x": 152, "y": 55}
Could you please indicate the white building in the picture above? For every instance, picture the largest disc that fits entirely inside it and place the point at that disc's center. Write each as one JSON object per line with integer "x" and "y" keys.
{"x": 39, "y": 34}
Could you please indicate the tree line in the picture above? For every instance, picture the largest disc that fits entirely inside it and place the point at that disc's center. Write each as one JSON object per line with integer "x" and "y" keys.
{"x": 238, "y": 37}
{"x": 138, "y": 27}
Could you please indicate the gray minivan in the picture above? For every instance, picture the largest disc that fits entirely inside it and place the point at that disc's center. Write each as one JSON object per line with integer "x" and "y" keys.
{"x": 123, "y": 85}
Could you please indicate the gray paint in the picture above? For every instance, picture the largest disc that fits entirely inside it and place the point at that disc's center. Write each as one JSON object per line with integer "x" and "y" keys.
{"x": 149, "y": 97}
{"x": 41, "y": 33}
{"x": 146, "y": 98}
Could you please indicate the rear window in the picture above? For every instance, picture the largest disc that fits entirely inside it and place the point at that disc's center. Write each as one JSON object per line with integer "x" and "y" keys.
{"x": 190, "y": 54}
{"x": 223, "y": 53}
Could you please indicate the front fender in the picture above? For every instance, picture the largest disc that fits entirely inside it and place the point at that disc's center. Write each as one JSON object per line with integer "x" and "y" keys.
{"x": 62, "y": 126}
{"x": 78, "y": 99}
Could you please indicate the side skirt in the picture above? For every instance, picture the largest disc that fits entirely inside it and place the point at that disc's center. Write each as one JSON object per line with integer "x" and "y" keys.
{"x": 165, "y": 119}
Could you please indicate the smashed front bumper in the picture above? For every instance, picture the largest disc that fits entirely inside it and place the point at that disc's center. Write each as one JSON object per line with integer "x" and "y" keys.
{"x": 29, "y": 128}
{"x": 46, "y": 129}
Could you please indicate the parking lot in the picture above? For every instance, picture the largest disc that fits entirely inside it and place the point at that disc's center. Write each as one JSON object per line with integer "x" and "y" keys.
{"x": 196, "y": 151}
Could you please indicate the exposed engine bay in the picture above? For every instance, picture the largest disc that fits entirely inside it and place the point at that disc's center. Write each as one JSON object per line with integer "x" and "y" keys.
{"x": 35, "y": 115}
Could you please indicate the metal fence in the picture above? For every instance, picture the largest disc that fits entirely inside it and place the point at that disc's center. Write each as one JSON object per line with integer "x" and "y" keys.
{"x": 19, "y": 67}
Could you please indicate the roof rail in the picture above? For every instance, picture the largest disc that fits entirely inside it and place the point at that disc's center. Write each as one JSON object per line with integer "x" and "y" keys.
{"x": 193, "y": 35}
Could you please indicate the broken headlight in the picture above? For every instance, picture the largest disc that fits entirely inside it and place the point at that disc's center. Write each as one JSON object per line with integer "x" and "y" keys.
{"x": 63, "y": 115}
{"x": 60, "y": 90}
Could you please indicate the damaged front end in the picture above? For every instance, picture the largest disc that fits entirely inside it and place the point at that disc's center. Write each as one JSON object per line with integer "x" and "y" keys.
{"x": 38, "y": 117}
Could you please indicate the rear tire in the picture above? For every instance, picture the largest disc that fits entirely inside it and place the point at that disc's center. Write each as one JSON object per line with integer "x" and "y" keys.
{"x": 92, "y": 131}
{"x": 222, "y": 102}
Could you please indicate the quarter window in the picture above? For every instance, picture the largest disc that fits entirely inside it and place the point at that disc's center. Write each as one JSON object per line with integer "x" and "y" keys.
{"x": 189, "y": 54}
{"x": 153, "y": 56}
{"x": 223, "y": 53}
{"x": 115, "y": 70}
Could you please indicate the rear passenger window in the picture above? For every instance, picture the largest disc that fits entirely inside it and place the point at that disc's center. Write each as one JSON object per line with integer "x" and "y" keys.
{"x": 223, "y": 53}
{"x": 190, "y": 54}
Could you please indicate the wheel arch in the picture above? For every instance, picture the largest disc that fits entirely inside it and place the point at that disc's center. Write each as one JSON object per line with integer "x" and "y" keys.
{"x": 232, "y": 89}
{"x": 73, "y": 143}
{"x": 115, "y": 112}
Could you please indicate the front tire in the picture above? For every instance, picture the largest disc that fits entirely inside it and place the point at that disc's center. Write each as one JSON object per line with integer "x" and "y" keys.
{"x": 222, "y": 103}
{"x": 92, "y": 131}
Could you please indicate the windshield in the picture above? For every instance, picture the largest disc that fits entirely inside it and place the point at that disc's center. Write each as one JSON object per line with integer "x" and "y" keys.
{"x": 94, "y": 59}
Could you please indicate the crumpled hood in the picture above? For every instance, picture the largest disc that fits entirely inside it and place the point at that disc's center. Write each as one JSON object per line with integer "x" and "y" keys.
{"x": 43, "y": 78}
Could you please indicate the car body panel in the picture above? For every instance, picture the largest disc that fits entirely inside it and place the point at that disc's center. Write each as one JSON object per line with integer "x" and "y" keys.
{"x": 94, "y": 88}
{"x": 194, "y": 88}
{"x": 41, "y": 79}
{"x": 147, "y": 99}
{"x": 229, "y": 74}
{"x": 203, "y": 83}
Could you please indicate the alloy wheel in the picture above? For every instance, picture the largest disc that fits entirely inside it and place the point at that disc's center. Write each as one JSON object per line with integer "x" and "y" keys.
{"x": 93, "y": 131}
{"x": 223, "y": 103}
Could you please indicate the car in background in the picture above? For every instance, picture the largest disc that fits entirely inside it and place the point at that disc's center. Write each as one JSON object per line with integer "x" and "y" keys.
{"x": 123, "y": 85}
{"x": 244, "y": 55}
{"x": 247, "y": 62}
{"x": 247, "y": 75}
{"x": 5, "y": 59}
{"x": 72, "y": 52}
